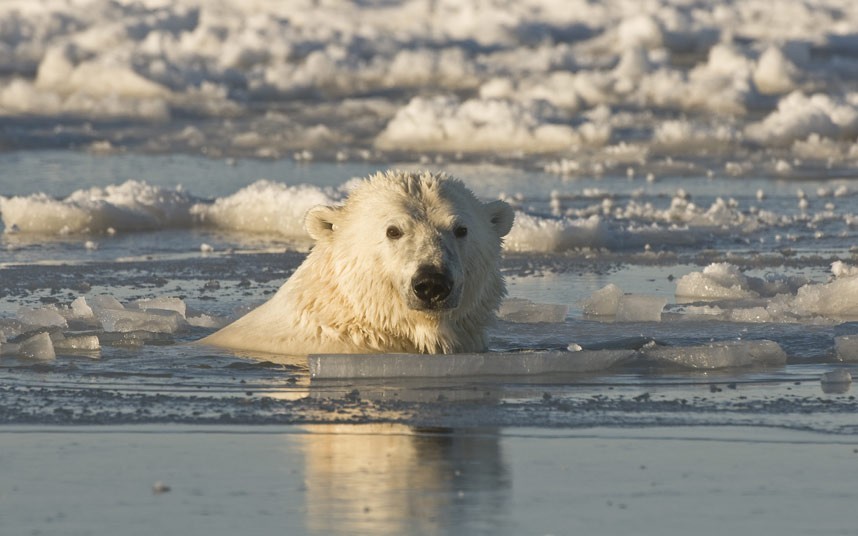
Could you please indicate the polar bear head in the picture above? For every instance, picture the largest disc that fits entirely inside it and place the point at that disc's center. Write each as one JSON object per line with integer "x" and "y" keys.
{"x": 415, "y": 254}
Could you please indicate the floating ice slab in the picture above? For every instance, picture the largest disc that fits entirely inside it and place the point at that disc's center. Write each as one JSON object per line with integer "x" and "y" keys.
{"x": 41, "y": 317}
{"x": 77, "y": 343}
{"x": 837, "y": 376}
{"x": 528, "y": 312}
{"x": 847, "y": 347}
{"x": 164, "y": 304}
{"x": 81, "y": 309}
{"x": 611, "y": 301}
{"x": 341, "y": 366}
{"x": 154, "y": 320}
{"x": 639, "y": 308}
{"x": 603, "y": 302}
{"x": 37, "y": 347}
{"x": 716, "y": 355}
{"x": 836, "y": 382}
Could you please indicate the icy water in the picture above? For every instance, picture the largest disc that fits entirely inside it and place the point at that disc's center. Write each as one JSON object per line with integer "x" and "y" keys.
{"x": 777, "y": 286}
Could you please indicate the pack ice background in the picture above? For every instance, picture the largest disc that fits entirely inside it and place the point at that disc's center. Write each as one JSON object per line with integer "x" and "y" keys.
{"x": 667, "y": 160}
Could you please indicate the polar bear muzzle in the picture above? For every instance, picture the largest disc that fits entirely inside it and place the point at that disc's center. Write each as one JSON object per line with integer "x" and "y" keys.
{"x": 432, "y": 287}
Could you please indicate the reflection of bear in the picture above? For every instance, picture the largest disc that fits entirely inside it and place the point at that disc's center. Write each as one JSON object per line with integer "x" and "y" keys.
{"x": 393, "y": 479}
{"x": 409, "y": 263}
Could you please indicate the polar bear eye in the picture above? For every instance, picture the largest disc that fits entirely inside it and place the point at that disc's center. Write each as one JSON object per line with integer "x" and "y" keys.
{"x": 394, "y": 232}
{"x": 460, "y": 231}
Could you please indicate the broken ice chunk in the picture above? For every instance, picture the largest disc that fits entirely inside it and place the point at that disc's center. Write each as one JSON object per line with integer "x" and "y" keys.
{"x": 610, "y": 301}
{"x": 528, "y": 312}
{"x": 37, "y": 347}
{"x": 166, "y": 304}
{"x": 332, "y": 366}
{"x": 77, "y": 343}
{"x": 639, "y": 308}
{"x": 603, "y": 302}
{"x": 717, "y": 355}
{"x": 105, "y": 302}
{"x": 153, "y": 320}
{"x": 42, "y": 317}
{"x": 80, "y": 309}
{"x": 207, "y": 321}
{"x": 847, "y": 347}
{"x": 10, "y": 328}
{"x": 836, "y": 381}
{"x": 718, "y": 281}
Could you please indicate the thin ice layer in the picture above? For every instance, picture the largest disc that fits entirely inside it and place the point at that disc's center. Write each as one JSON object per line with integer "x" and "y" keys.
{"x": 341, "y": 366}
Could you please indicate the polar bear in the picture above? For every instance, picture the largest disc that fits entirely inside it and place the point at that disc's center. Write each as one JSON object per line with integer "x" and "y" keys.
{"x": 408, "y": 263}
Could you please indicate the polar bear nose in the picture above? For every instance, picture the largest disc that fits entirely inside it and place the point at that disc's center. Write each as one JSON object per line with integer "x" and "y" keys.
{"x": 431, "y": 285}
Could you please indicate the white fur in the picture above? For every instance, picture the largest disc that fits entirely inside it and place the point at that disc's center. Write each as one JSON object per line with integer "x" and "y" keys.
{"x": 353, "y": 292}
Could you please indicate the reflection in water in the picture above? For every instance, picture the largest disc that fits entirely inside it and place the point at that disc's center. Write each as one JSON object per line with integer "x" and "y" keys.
{"x": 394, "y": 479}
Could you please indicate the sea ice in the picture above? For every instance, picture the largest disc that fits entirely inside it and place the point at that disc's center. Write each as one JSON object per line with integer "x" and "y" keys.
{"x": 153, "y": 320}
{"x": 837, "y": 376}
{"x": 718, "y": 281}
{"x": 716, "y": 355}
{"x": 76, "y": 343}
{"x": 639, "y": 308}
{"x": 847, "y": 347}
{"x": 610, "y": 301}
{"x": 164, "y": 304}
{"x": 264, "y": 207}
{"x": 37, "y": 347}
{"x": 836, "y": 381}
{"x": 207, "y": 321}
{"x": 342, "y": 366}
{"x": 603, "y": 302}
{"x": 42, "y": 317}
{"x": 81, "y": 309}
{"x": 525, "y": 311}
{"x": 132, "y": 205}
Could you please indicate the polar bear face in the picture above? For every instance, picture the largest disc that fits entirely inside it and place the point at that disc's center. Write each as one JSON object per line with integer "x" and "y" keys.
{"x": 419, "y": 242}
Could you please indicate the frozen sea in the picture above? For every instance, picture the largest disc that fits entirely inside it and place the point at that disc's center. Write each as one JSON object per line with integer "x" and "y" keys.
{"x": 682, "y": 273}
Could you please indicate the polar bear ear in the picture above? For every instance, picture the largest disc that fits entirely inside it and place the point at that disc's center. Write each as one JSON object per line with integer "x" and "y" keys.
{"x": 321, "y": 221}
{"x": 501, "y": 215}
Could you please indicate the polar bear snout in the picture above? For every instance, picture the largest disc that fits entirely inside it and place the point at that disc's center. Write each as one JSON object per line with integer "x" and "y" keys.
{"x": 433, "y": 286}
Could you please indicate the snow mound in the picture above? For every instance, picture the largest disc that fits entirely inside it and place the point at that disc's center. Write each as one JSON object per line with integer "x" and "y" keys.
{"x": 264, "y": 207}
{"x": 483, "y": 126}
{"x": 131, "y": 206}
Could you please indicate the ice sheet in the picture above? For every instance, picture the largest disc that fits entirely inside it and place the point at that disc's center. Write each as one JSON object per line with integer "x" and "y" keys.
{"x": 341, "y": 366}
